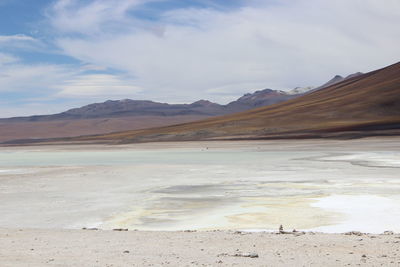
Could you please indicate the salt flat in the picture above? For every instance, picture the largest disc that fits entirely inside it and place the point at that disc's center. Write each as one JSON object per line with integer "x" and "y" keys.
{"x": 316, "y": 185}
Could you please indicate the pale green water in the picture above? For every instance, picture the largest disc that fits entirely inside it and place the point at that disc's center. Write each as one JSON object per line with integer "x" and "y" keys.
{"x": 85, "y": 158}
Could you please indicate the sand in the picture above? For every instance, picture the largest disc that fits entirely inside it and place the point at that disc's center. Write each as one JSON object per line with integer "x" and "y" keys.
{"x": 213, "y": 248}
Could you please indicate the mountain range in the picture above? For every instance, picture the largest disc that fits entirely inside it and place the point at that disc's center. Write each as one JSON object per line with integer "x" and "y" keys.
{"x": 362, "y": 105}
{"x": 128, "y": 107}
{"x": 127, "y": 114}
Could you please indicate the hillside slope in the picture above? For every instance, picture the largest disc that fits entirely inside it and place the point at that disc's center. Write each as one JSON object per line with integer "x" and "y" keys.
{"x": 127, "y": 114}
{"x": 365, "y": 104}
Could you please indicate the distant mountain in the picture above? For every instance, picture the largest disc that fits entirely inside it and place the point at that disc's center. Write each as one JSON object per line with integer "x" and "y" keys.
{"x": 332, "y": 81}
{"x": 258, "y": 99}
{"x": 300, "y": 90}
{"x": 128, "y": 107}
{"x": 127, "y": 114}
{"x": 362, "y": 105}
{"x": 336, "y": 80}
{"x": 354, "y": 75}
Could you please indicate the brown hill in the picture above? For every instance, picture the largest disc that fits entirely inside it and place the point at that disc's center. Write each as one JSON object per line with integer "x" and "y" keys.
{"x": 367, "y": 104}
{"x": 122, "y": 115}
{"x": 127, "y": 114}
{"x": 30, "y": 130}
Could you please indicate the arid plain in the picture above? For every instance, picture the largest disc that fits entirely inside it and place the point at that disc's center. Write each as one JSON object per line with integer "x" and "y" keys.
{"x": 304, "y": 185}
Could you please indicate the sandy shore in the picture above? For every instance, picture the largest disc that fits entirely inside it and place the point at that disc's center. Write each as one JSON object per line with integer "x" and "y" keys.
{"x": 24, "y": 247}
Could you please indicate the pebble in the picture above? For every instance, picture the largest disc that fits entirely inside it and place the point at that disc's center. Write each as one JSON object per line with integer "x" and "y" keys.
{"x": 354, "y": 233}
{"x": 247, "y": 255}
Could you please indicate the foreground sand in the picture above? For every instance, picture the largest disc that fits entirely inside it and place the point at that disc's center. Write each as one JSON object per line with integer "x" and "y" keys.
{"x": 24, "y": 247}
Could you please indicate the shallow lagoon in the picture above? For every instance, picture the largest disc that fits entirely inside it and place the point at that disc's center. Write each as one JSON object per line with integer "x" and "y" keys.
{"x": 330, "y": 186}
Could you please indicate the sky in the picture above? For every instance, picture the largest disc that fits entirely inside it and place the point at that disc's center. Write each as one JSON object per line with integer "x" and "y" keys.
{"x": 61, "y": 54}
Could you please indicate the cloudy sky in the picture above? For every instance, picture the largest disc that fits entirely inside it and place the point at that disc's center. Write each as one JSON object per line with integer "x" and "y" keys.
{"x": 59, "y": 54}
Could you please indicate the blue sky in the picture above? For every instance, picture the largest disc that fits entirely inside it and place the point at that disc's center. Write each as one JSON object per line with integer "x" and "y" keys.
{"x": 60, "y": 54}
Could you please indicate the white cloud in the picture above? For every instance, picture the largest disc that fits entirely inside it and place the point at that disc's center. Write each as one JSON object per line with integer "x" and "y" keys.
{"x": 92, "y": 67}
{"x": 52, "y": 88}
{"x": 16, "y": 38}
{"x": 20, "y": 42}
{"x": 7, "y": 59}
{"x": 31, "y": 108}
{"x": 49, "y": 82}
{"x": 30, "y": 78}
{"x": 97, "y": 85}
{"x": 196, "y": 53}
{"x": 71, "y": 16}
{"x": 29, "y": 89}
{"x": 204, "y": 53}
{"x": 57, "y": 81}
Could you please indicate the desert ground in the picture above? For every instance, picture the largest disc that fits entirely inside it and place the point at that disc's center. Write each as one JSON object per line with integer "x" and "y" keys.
{"x": 231, "y": 197}
{"x": 213, "y": 248}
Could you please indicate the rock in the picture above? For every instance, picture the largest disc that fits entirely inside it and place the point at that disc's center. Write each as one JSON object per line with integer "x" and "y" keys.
{"x": 294, "y": 232}
{"x": 253, "y": 255}
{"x": 222, "y": 254}
{"x": 357, "y": 233}
{"x": 241, "y": 233}
{"x": 120, "y": 229}
{"x": 247, "y": 255}
{"x": 93, "y": 228}
{"x": 126, "y": 251}
{"x": 388, "y": 233}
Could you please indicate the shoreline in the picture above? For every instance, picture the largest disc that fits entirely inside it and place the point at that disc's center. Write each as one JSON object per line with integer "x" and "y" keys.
{"x": 57, "y": 247}
{"x": 368, "y": 140}
{"x": 308, "y": 136}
